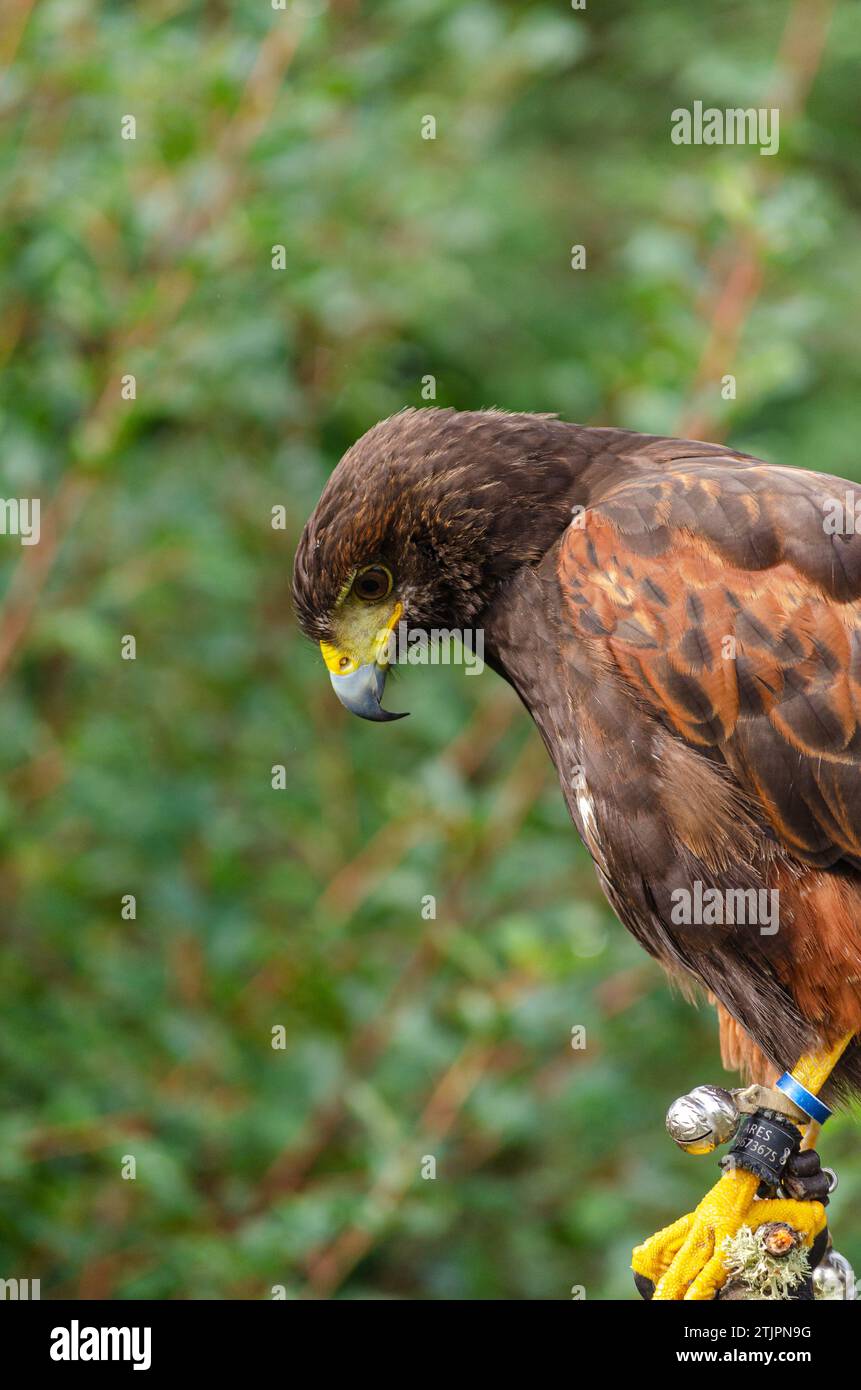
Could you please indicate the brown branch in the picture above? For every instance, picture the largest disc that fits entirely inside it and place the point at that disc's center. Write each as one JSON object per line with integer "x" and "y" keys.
{"x": 13, "y": 24}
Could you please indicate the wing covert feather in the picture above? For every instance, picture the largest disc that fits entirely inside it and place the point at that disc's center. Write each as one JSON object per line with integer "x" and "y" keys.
{"x": 727, "y": 607}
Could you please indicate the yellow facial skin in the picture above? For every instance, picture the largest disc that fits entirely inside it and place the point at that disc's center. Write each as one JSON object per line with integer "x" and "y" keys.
{"x": 357, "y": 658}
{"x": 361, "y": 634}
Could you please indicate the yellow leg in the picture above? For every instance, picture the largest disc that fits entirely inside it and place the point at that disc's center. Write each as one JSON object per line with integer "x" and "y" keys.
{"x": 811, "y": 1135}
{"x": 812, "y": 1072}
{"x": 685, "y": 1261}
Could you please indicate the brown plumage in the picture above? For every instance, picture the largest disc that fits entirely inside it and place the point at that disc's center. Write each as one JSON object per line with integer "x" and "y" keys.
{"x": 685, "y": 630}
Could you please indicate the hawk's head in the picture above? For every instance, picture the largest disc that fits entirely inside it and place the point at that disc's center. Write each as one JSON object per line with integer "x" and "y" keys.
{"x": 421, "y": 521}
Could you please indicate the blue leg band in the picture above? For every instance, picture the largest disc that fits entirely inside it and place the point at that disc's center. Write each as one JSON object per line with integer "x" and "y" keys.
{"x": 804, "y": 1099}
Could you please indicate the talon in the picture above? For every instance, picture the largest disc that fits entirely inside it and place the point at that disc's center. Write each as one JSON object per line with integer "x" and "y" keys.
{"x": 685, "y": 1260}
{"x": 689, "y": 1260}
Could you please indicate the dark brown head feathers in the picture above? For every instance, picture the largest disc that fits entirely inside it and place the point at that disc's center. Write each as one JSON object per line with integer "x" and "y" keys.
{"x": 451, "y": 501}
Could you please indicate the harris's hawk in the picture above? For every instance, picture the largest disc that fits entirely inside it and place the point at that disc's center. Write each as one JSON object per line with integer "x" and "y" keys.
{"x": 683, "y": 624}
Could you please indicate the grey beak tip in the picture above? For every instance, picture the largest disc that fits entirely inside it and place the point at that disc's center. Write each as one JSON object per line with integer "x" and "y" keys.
{"x": 361, "y": 692}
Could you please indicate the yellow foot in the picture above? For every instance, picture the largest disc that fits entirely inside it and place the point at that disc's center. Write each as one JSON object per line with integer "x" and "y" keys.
{"x": 685, "y": 1260}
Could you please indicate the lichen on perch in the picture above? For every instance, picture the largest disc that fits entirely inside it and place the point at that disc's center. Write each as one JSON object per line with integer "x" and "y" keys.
{"x": 768, "y": 1263}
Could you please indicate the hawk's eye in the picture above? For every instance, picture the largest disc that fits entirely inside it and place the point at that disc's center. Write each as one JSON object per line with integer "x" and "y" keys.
{"x": 372, "y": 584}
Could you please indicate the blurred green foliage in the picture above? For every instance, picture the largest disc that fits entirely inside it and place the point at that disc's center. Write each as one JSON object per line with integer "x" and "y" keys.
{"x": 301, "y": 908}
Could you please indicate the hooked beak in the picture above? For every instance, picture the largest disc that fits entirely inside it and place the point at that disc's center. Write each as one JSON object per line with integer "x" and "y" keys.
{"x": 359, "y": 684}
{"x": 362, "y": 690}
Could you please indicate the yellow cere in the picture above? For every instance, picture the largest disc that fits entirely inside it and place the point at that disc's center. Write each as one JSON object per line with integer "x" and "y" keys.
{"x": 337, "y": 661}
{"x": 361, "y": 638}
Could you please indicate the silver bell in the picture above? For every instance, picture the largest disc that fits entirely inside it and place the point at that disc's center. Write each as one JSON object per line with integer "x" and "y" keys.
{"x": 705, "y": 1117}
{"x": 834, "y": 1278}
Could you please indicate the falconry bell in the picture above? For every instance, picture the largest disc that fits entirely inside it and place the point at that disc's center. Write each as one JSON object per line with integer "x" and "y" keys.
{"x": 703, "y": 1119}
{"x": 833, "y": 1278}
